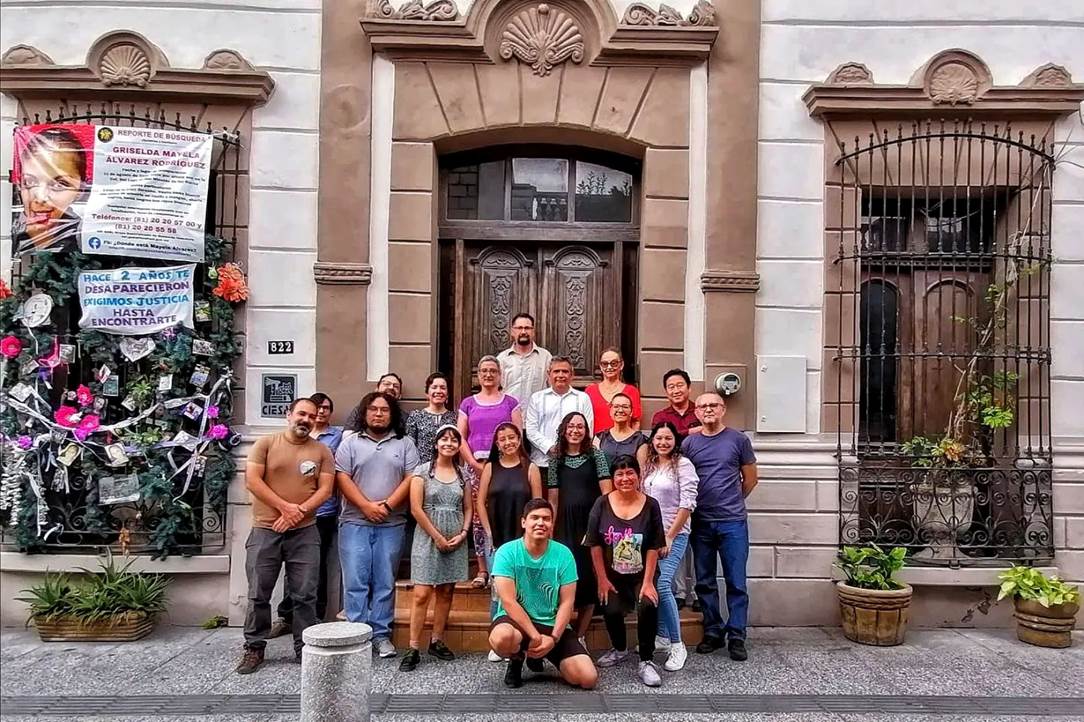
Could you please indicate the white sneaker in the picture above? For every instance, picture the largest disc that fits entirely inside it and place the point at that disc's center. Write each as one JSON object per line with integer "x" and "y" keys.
{"x": 612, "y": 658}
{"x": 649, "y": 674}
{"x": 677, "y": 657}
{"x": 662, "y": 643}
{"x": 494, "y": 657}
{"x": 583, "y": 642}
{"x": 384, "y": 648}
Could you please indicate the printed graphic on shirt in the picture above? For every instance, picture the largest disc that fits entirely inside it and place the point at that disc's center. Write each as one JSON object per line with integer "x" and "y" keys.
{"x": 307, "y": 467}
{"x": 628, "y": 550}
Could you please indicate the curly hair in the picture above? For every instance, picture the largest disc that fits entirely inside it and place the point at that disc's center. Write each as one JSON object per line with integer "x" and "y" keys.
{"x": 562, "y": 442}
{"x": 395, "y": 422}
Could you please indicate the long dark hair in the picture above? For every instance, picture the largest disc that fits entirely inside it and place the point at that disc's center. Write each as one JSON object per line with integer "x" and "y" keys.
{"x": 446, "y": 429}
{"x": 495, "y": 452}
{"x": 395, "y": 422}
{"x": 653, "y": 455}
{"x": 562, "y": 442}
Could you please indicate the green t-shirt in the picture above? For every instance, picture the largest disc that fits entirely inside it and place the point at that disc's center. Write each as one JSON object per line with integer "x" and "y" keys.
{"x": 538, "y": 581}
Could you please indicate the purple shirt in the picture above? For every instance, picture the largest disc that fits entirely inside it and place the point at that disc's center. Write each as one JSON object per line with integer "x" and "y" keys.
{"x": 718, "y": 461}
{"x": 483, "y": 420}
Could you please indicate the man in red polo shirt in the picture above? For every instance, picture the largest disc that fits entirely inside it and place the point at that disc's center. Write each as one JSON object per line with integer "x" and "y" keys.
{"x": 681, "y": 413}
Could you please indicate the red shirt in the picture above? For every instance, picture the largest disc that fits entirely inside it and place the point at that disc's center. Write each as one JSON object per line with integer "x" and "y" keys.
{"x": 601, "y": 407}
{"x": 683, "y": 422}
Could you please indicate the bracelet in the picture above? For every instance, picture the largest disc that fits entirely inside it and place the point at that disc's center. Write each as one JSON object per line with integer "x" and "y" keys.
{"x": 386, "y": 505}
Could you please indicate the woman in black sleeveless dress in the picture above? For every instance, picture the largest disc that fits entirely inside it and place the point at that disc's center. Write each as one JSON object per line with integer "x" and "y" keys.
{"x": 509, "y": 481}
{"x": 577, "y": 476}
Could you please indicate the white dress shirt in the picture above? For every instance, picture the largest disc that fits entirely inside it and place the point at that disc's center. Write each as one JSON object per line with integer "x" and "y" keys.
{"x": 522, "y": 376}
{"x": 544, "y": 413}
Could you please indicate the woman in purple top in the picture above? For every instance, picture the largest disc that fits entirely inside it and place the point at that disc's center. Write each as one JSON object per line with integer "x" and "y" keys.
{"x": 479, "y": 417}
{"x": 671, "y": 480}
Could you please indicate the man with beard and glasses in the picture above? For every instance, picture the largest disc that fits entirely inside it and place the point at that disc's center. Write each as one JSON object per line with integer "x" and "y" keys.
{"x": 374, "y": 467}
{"x": 523, "y": 365}
{"x": 535, "y": 579}
{"x": 289, "y": 474}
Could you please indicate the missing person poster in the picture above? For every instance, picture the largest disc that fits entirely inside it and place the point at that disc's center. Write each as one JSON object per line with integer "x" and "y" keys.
{"x": 110, "y": 190}
{"x": 136, "y": 301}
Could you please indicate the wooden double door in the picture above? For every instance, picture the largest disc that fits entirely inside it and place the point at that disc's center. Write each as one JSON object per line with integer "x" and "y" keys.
{"x": 582, "y": 296}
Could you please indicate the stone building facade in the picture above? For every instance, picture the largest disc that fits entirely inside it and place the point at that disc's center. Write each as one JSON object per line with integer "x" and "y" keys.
{"x": 714, "y": 243}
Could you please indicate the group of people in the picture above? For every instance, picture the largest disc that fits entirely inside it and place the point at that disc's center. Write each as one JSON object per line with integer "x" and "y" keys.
{"x": 569, "y": 506}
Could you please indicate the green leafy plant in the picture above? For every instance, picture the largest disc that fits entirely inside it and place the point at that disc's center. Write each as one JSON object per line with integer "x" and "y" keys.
{"x": 1031, "y": 584}
{"x": 106, "y": 596}
{"x": 871, "y": 567}
{"x": 215, "y": 622}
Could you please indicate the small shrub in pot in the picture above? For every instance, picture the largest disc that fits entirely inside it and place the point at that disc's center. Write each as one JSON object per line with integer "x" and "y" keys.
{"x": 1045, "y": 606}
{"x": 873, "y": 605}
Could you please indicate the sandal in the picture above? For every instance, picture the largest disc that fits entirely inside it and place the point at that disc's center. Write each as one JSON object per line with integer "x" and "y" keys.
{"x": 481, "y": 581}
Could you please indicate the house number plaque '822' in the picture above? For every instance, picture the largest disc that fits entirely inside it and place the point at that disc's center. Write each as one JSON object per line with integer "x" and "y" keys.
{"x": 280, "y": 347}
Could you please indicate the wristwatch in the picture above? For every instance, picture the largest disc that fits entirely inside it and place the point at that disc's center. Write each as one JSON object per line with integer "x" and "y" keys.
{"x": 386, "y": 506}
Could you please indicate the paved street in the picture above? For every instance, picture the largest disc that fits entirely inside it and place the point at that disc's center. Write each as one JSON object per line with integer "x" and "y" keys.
{"x": 797, "y": 675}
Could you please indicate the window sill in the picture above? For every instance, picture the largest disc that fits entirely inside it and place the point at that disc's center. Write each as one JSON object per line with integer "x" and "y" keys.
{"x": 19, "y": 562}
{"x": 945, "y": 577}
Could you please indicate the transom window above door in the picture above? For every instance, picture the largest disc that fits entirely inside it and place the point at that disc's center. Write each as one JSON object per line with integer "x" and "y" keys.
{"x": 512, "y": 185}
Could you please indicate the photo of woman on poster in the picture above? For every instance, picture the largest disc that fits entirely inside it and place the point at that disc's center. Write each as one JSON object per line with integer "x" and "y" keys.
{"x": 51, "y": 174}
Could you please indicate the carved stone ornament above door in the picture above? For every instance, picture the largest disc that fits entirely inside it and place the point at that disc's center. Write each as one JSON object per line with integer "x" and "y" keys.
{"x": 951, "y": 83}
{"x": 124, "y": 64}
{"x": 541, "y": 35}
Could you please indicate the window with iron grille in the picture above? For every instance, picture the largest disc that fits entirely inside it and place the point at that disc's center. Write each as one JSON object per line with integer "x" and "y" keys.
{"x": 938, "y": 338}
{"x": 133, "y": 526}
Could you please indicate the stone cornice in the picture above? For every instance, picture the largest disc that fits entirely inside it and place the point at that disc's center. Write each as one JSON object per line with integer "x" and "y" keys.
{"x": 952, "y": 83}
{"x": 341, "y": 273}
{"x": 125, "y": 65}
{"x": 719, "y": 280}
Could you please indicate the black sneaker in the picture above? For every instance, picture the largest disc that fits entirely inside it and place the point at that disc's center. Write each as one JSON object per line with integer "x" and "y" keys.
{"x": 709, "y": 645}
{"x": 513, "y": 676}
{"x": 736, "y": 647}
{"x": 438, "y": 649}
{"x": 695, "y": 606}
{"x": 536, "y": 665}
{"x": 252, "y": 660}
{"x": 410, "y": 660}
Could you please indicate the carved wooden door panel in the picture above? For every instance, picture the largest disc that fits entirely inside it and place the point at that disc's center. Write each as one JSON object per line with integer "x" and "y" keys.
{"x": 580, "y": 313}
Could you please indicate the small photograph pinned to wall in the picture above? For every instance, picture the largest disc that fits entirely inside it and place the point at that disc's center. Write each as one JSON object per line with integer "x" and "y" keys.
{"x": 118, "y": 489}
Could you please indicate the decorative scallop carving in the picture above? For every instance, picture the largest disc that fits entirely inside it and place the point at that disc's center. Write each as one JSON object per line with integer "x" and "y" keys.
{"x": 125, "y": 64}
{"x": 226, "y": 60}
{"x": 25, "y": 55}
{"x": 439, "y": 11}
{"x": 1049, "y": 76}
{"x": 851, "y": 74}
{"x": 543, "y": 38}
{"x": 639, "y": 14}
{"x": 954, "y": 84}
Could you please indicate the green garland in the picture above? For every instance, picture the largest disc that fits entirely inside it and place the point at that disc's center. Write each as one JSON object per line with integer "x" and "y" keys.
{"x": 168, "y": 521}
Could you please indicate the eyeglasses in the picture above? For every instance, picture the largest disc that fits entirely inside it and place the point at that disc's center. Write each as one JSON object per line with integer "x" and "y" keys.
{"x": 709, "y": 406}
{"x": 324, "y": 408}
{"x": 523, "y": 328}
{"x": 620, "y": 407}
{"x": 610, "y": 364}
{"x": 378, "y": 409}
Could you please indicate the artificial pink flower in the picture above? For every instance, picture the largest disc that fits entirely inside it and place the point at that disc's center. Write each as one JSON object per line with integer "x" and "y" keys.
{"x": 25, "y": 442}
{"x": 84, "y": 396}
{"x": 219, "y": 431}
{"x": 5, "y": 290}
{"x": 212, "y": 412}
{"x": 11, "y": 346}
{"x": 64, "y": 414}
{"x": 87, "y": 426}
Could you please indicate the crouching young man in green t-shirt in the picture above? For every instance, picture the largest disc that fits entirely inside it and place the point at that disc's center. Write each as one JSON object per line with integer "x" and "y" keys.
{"x": 535, "y": 579}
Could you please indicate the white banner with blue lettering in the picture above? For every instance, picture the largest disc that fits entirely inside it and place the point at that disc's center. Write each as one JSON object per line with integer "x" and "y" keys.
{"x": 136, "y": 301}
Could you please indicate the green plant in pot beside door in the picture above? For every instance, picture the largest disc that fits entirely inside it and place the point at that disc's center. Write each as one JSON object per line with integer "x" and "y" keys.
{"x": 114, "y": 604}
{"x": 1046, "y": 607}
{"x": 873, "y": 605}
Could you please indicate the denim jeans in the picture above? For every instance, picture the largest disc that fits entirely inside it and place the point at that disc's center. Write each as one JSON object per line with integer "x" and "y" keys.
{"x": 728, "y": 540}
{"x": 369, "y": 556}
{"x": 671, "y": 564}
{"x": 266, "y": 552}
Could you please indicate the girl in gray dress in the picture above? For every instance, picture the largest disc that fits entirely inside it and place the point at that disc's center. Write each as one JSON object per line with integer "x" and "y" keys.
{"x": 438, "y": 558}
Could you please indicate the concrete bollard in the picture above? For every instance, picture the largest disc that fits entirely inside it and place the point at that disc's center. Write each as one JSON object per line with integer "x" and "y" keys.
{"x": 336, "y": 672}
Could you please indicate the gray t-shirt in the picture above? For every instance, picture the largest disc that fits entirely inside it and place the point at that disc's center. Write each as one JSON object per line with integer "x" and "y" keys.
{"x": 377, "y": 467}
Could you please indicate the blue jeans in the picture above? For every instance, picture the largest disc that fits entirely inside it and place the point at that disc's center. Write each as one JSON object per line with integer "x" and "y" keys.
{"x": 669, "y": 622}
{"x": 369, "y": 555}
{"x": 728, "y": 540}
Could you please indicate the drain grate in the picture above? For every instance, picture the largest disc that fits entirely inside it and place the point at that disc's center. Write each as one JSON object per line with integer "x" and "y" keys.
{"x": 445, "y": 704}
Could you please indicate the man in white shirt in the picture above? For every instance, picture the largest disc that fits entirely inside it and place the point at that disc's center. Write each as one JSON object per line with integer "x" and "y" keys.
{"x": 523, "y": 365}
{"x": 548, "y": 406}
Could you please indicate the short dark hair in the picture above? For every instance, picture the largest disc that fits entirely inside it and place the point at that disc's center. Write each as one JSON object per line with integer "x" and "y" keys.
{"x": 520, "y": 315}
{"x": 298, "y": 400}
{"x": 396, "y": 420}
{"x": 394, "y": 375}
{"x": 625, "y": 461}
{"x": 560, "y": 360}
{"x": 319, "y": 398}
{"x": 447, "y": 382}
{"x": 534, "y": 504}
{"x": 676, "y": 372}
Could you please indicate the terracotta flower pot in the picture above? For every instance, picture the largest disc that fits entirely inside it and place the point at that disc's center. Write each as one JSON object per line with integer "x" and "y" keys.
{"x": 1045, "y": 626}
{"x": 873, "y": 616}
{"x": 119, "y": 628}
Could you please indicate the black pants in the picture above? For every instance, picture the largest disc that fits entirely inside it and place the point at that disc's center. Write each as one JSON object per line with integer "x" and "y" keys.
{"x": 328, "y": 527}
{"x": 266, "y": 551}
{"x": 647, "y": 622}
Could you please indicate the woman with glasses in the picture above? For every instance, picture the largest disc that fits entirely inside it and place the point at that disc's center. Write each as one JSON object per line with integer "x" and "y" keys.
{"x": 621, "y": 439}
{"x": 479, "y": 417}
{"x": 602, "y": 393}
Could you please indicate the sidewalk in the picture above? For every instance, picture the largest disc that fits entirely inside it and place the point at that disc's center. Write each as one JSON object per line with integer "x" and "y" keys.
{"x": 812, "y": 667}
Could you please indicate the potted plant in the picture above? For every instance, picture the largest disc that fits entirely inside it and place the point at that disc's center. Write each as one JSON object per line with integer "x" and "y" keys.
{"x": 1046, "y": 607}
{"x": 873, "y": 606}
{"x": 113, "y": 605}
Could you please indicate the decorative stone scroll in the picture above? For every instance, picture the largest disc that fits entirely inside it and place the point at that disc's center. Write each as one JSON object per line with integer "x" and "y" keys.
{"x": 1048, "y": 76}
{"x": 729, "y": 281}
{"x": 851, "y": 74}
{"x": 25, "y": 55}
{"x": 439, "y": 11}
{"x": 543, "y": 38}
{"x": 338, "y": 273}
{"x": 641, "y": 15}
{"x": 956, "y": 77}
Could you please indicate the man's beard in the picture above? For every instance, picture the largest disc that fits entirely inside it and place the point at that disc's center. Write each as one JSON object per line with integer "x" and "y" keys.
{"x": 523, "y": 340}
{"x": 301, "y": 430}
{"x": 379, "y": 426}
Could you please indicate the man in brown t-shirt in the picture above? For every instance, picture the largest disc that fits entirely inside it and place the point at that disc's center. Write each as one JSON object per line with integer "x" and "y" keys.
{"x": 289, "y": 475}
